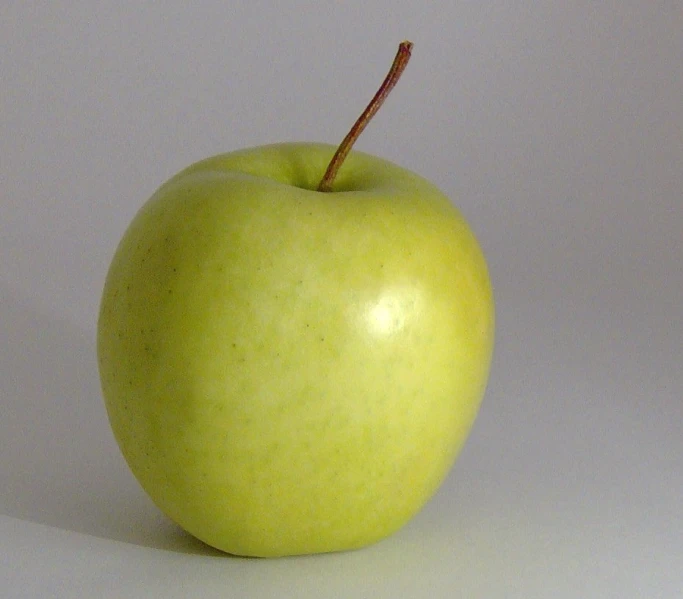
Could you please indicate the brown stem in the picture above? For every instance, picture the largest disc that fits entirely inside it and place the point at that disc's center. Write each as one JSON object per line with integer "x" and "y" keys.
{"x": 394, "y": 74}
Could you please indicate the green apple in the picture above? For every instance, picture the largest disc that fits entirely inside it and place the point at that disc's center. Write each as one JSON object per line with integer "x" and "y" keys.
{"x": 290, "y": 371}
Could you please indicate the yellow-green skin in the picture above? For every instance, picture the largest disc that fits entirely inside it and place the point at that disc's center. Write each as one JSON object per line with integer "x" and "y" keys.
{"x": 288, "y": 371}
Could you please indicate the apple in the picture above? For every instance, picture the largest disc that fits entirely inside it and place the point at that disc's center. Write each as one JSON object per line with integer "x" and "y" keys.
{"x": 287, "y": 369}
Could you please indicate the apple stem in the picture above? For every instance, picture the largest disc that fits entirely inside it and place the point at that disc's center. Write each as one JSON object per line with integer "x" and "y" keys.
{"x": 394, "y": 74}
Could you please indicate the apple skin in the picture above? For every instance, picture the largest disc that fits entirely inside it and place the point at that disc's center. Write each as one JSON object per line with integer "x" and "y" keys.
{"x": 288, "y": 371}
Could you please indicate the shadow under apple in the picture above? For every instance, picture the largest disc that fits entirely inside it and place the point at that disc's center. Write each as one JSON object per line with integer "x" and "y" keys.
{"x": 60, "y": 464}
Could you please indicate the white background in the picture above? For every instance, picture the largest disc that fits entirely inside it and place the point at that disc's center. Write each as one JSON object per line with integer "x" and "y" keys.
{"x": 556, "y": 127}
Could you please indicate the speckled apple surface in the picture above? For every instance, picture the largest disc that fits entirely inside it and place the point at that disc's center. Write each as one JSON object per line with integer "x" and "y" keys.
{"x": 288, "y": 371}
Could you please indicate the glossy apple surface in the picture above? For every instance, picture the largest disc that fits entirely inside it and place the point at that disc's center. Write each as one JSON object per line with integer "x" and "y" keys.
{"x": 288, "y": 371}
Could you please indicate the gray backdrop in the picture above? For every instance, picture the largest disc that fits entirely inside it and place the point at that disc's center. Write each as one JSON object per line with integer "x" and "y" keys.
{"x": 556, "y": 127}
